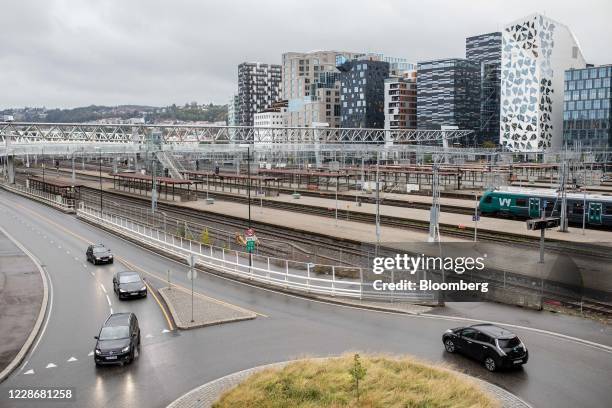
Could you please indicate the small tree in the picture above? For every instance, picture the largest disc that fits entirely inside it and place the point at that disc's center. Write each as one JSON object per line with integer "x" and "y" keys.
{"x": 205, "y": 237}
{"x": 357, "y": 372}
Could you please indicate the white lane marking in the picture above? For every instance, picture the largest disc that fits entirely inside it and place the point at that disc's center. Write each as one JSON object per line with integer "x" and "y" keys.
{"x": 109, "y": 302}
{"x": 76, "y": 259}
{"x": 92, "y": 274}
{"x": 90, "y": 354}
{"x": 103, "y": 288}
{"x": 23, "y": 365}
{"x": 84, "y": 265}
{"x": 50, "y": 365}
{"x": 148, "y": 336}
{"x": 71, "y": 359}
{"x": 165, "y": 331}
{"x": 111, "y": 309}
{"x": 29, "y": 372}
{"x": 68, "y": 252}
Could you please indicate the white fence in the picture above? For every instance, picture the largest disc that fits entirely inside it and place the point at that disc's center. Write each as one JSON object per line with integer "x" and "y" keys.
{"x": 55, "y": 200}
{"x": 282, "y": 273}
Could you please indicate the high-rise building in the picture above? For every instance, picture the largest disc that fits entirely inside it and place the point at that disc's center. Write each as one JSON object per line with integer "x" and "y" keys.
{"x": 448, "y": 94}
{"x": 587, "y": 110}
{"x": 486, "y": 50}
{"x": 311, "y": 85}
{"x": 536, "y": 51}
{"x": 362, "y": 94}
{"x": 397, "y": 65}
{"x": 258, "y": 87}
{"x": 233, "y": 109}
{"x": 401, "y": 101}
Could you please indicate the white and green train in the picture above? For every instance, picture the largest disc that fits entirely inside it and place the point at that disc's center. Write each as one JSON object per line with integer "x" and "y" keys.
{"x": 527, "y": 203}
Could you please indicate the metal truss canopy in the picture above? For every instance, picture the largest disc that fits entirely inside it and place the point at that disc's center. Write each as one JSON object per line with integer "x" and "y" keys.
{"x": 25, "y": 133}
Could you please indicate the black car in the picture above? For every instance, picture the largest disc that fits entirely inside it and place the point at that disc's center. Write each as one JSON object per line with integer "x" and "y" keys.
{"x": 495, "y": 346}
{"x": 118, "y": 340}
{"x": 128, "y": 284}
{"x": 98, "y": 253}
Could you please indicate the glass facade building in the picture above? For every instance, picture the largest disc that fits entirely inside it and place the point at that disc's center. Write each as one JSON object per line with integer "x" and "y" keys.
{"x": 362, "y": 97}
{"x": 587, "y": 102}
{"x": 486, "y": 49}
{"x": 448, "y": 94}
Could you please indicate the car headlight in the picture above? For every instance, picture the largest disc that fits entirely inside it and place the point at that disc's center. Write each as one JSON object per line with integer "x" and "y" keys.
{"x": 122, "y": 290}
{"x": 110, "y": 256}
{"x": 143, "y": 288}
{"x": 125, "y": 349}
{"x": 97, "y": 258}
{"x": 98, "y": 352}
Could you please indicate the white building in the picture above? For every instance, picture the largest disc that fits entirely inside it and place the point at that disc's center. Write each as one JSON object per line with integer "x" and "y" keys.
{"x": 535, "y": 53}
{"x": 269, "y": 119}
{"x": 232, "y": 111}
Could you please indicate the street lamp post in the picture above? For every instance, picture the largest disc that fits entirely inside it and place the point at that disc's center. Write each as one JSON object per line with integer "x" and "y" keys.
{"x": 100, "y": 177}
{"x": 249, "y": 181}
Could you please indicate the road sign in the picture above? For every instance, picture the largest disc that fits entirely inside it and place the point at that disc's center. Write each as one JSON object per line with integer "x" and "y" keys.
{"x": 539, "y": 223}
{"x": 250, "y": 246}
{"x": 475, "y": 217}
{"x": 191, "y": 260}
{"x": 192, "y": 274}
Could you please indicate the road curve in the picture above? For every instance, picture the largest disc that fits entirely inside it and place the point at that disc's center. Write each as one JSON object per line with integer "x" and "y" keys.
{"x": 560, "y": 373}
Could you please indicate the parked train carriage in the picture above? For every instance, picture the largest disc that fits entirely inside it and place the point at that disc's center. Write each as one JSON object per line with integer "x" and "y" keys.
{"x": 526, "y": 203}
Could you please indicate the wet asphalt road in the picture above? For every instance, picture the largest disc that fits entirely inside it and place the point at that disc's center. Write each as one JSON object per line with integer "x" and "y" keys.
{"x": 560, "y": 373}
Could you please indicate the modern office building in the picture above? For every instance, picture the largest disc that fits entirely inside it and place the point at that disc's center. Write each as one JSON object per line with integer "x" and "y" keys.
{"x": 448, "y": 94}
{"x": 536, "y": 51}
{"x": 587, "y": 107}
{"x": 362, "y": 94}
{"x": 401, "y": 101}
{"x": 233, "y": 109}
{"x": 312, "y": 87}
{"x": 486, "y": 50}
{"x": 397, "y": 65}
{"x": 259, "y": 85}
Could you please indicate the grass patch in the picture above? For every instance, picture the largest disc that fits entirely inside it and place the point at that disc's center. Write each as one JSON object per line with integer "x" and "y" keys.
{"x": 389, "y": 382}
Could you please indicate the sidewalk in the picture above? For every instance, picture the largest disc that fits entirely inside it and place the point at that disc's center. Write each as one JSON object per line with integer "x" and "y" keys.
{"x": 21, "y": 297}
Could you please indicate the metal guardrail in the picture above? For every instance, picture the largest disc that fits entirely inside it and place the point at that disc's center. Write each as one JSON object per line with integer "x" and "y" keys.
{"x": 55, "y": 200}
{"x": 282, "y": 273}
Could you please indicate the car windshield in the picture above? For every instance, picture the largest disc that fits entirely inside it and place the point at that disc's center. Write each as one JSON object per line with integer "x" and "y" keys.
{"x": 100, "y": 249}
{"x": 129, "y": 278}
{"x": 509, "y": 343}
{"x": 114, "y": 332}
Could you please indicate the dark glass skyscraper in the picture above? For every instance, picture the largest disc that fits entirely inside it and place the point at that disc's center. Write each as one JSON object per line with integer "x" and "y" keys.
{"x": 587, "y": 104}
{"x": 486, "y": 50}
{"x": 362, "y": 96}
{"x": 448, "y": 94}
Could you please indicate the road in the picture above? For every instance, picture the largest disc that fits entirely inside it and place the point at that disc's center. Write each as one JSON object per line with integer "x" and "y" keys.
{"x": 560, "y": 373}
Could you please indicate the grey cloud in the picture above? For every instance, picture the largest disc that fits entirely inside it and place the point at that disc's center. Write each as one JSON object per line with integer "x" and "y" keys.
{"x": 69, "y": 53}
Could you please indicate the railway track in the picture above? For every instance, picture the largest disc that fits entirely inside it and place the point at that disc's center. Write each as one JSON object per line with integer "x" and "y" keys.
{"x": 397, "y": 222}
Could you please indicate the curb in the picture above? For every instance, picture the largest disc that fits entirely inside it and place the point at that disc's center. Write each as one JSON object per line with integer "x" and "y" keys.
{"x": 207, "y": 394}
{"x": 41, "y": 314}
{"x": 186, "y": 326}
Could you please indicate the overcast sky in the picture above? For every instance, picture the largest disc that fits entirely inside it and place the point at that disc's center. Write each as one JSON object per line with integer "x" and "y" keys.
{"x": 63, "y": 53}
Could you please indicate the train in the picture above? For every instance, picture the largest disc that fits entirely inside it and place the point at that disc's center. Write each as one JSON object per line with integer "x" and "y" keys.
{"x": 525, "y": 203}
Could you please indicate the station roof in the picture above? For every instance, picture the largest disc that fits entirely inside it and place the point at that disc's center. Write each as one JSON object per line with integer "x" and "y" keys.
{"x": 229, "y": 175}
{"x": 300, "y": 172}
{"x": 146, "y": 177}
{"x": 55, "y": 182}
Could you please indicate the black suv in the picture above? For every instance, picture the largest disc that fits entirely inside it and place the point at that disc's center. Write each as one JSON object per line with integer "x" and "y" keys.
{"x": 118, "y": 340}
{"x": 495, "y": 346}
{"x": 129, "y": 284}
{"x": 98, "y": 253}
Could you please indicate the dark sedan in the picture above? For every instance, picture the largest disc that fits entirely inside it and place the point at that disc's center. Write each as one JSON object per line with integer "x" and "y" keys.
{"x": 492, "y": 345}
{"x": 129, "y": 284}
{"x": 98, "y": 253}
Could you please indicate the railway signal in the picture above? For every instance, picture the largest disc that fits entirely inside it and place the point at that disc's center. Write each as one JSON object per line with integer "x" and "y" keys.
{"x": 543, "y": 224}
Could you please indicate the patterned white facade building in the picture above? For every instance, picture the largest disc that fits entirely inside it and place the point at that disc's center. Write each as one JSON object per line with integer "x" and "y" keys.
{"x": 535, "y": 53}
